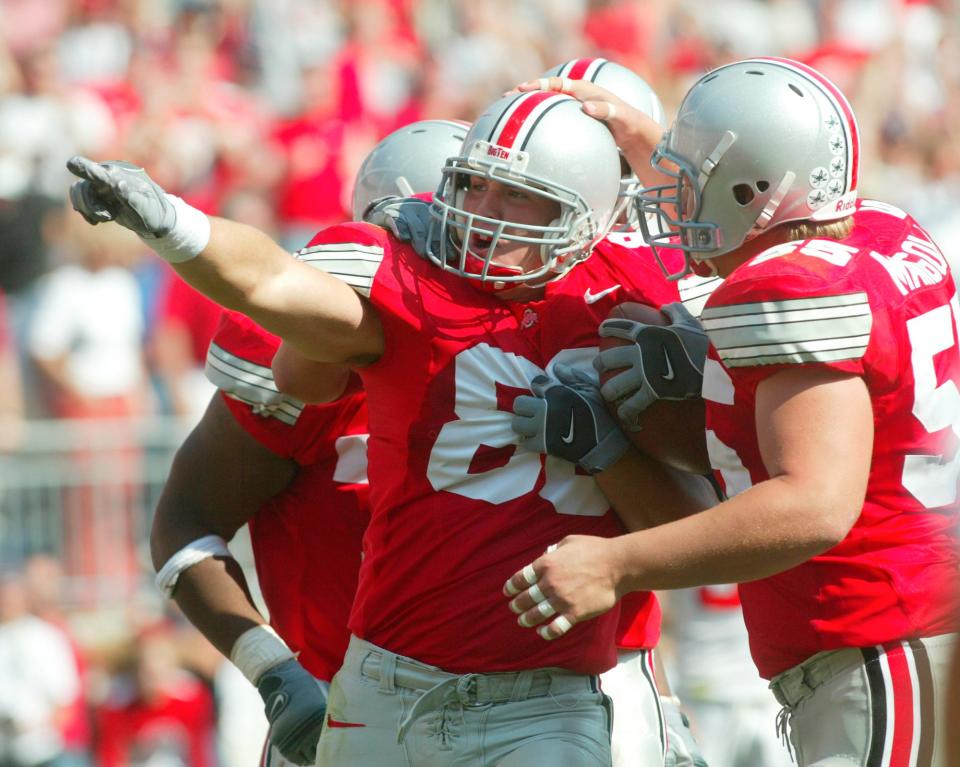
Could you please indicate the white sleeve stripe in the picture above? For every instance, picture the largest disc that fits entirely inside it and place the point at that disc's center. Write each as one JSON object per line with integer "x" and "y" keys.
{"x": 345, "y": 247}
{"x": 797, "y": 357}
{"x": 787, "y": 317}
{"x": 358, "y": 273}
{"x": 246, "y": 365}
{"x": 785, "y": 334}
{"x": 250, "y": 391}
{"x": 270, "y": 412}
{"x": 764, "y": 307}
{"x": 812, "y": 345}
{"x": 239, "y": 373}
{"x": 696, "y": 287}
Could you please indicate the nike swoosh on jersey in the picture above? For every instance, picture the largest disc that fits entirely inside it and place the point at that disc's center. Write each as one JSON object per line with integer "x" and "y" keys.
{"x": 331, "y": 722}
{"x": 592, "y": 298}
{"x": 569, "y": 436}
{"x": 668, "y": 376}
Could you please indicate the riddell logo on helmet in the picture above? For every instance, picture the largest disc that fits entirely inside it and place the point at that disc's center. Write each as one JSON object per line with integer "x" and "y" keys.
{"x": 844, "y": 204}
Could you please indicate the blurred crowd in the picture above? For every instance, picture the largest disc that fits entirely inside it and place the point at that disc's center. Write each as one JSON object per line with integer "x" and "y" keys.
{"x": 262, "y": 110}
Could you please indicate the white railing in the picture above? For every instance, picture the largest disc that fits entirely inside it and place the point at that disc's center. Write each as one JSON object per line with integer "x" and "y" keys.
{"x": 84, "y": 491}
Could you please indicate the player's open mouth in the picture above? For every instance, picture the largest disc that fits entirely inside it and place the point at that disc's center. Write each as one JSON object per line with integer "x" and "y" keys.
{"x": 480, "y": 243}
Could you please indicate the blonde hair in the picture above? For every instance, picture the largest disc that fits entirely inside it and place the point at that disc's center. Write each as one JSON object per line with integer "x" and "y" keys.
{"x": 818, "y": 230}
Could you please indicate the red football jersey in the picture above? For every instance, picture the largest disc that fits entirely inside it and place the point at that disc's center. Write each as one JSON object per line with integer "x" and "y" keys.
{"x": 306, "y": 540}
{"x": 881, "y": 304}
{"x": 456, "y": 508}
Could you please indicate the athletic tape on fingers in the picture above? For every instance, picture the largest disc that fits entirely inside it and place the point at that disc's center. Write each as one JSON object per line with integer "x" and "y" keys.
{"x": 560, "y": 626}
{"x": 528, "y": 575}
{"x": 536, "y": 594}
{"x": 546, "y": 608}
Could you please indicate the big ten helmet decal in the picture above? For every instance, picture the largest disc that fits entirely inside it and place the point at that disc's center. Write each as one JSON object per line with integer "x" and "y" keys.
{"x": 409, "y": 161}
{"x": 635, "y": 91}
{"x": 542, "y": 144}
{"x": 755, "y": 144}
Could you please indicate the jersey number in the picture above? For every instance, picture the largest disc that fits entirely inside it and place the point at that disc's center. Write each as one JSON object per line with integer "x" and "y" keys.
{"x": 476, "y": 455}
{"x": 928, "y": 478}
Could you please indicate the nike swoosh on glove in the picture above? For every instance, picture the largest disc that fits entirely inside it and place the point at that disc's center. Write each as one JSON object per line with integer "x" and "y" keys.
{"x": 122, "y": 192}
{"x": 682, "y": 748}
{"x": 408, "y": 219}
{"x": 295, "y": 706}
{"x": 664, "y": 362}
{"x": 568, "y": 419}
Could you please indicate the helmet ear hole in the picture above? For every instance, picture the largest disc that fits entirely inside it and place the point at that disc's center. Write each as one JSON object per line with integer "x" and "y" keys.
{"x": 743, "y": 194}
{"x": 763, "y": 186}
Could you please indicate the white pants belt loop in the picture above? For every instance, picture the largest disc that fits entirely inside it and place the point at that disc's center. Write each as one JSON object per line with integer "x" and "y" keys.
{"x": 799, "y": 682}
{"x": 442, "y": 688}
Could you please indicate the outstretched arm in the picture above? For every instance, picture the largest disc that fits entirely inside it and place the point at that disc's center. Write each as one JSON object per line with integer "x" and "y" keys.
{"x": 236, "y": 265}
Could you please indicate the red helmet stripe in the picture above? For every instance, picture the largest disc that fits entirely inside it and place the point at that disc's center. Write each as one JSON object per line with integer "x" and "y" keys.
{"x": 522, "y": 110}
{"x": 853, "y": 151}
{"x": 579, "y": 68}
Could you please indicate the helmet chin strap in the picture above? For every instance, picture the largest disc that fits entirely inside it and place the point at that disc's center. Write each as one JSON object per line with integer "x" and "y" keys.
{"x": 772, "y": 204}
{"x": 713, "y": 159}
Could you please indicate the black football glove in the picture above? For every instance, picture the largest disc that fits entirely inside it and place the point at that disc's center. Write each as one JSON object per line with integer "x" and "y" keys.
{"x": 295, "y": 706}
{"x": 122, "y": 192}
{"x": 568, "y": 419}
{"x": 406, "y": 218}
{"x": 663, "y": 362}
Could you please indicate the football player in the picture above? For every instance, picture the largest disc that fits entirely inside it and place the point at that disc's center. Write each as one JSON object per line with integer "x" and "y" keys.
{"x": 296, "y": 474}
{"x": 644, "y": 724}
{"x": 833, "y": 417}
{"x": 443, "y": 346}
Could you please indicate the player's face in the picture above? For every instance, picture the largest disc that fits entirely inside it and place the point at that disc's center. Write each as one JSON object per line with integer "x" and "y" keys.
{"x": 493, "y": 199}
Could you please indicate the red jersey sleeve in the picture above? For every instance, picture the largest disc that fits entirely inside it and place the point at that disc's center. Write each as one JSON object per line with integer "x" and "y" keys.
{"x": 238, "y": 363}
{"x": 801, "y": 303}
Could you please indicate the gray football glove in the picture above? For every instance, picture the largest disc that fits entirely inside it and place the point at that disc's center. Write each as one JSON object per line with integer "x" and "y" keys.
{"x": 122, "y": 192}
{"x": 407, "y": 218}
{"x": 295, "y": 706}
{"x": 682, "y": 749}
{"x": 568, "y": 419}
{"x": 664, "y": 362}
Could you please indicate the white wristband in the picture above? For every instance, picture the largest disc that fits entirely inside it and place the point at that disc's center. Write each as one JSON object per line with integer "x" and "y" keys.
{"x": 257, "y": 650}
{"x": 188, "y": 237}
{"x": 194, "y": 552}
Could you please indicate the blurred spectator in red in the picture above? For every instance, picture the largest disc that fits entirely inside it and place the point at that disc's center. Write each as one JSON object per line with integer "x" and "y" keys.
{"x": 44, "y": 587}
{"x": 378, "y": 67}
{"x": 316, "y": 160}
{"x": 38, "y": 682}
{"x": 156, "y": 712}
{"x": 31, "y": 24}
{"x": 11, "y": 405}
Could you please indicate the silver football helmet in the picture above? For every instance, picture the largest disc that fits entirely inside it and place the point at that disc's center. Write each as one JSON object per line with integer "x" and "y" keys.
{"x": 755, "y": 144}
{"x": 407, "y": 162}
{"x": 542, "y": 143}
{"x": 634, "y": 90}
